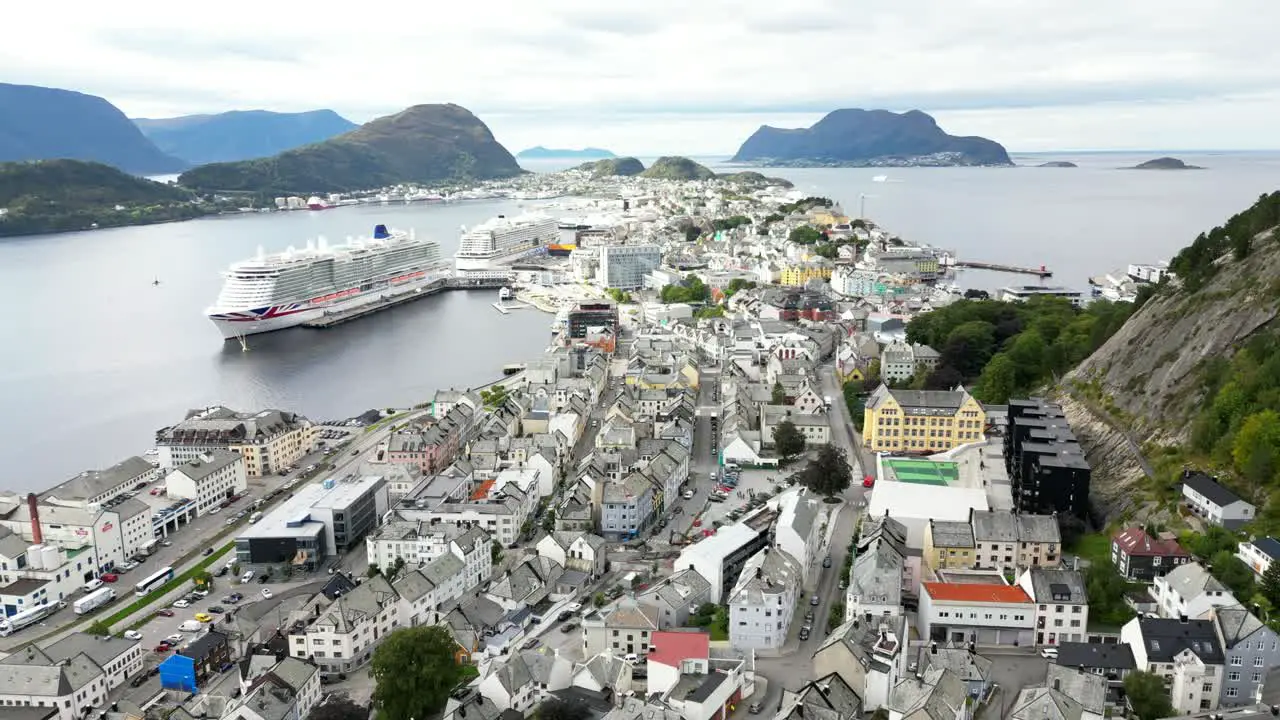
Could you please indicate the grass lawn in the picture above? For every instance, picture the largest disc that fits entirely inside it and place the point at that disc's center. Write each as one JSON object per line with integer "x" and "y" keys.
{"x": 1094, "y": 547}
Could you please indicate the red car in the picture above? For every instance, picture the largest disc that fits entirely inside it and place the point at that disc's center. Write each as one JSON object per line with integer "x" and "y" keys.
{"x": 868, "y": 481}
{"x": 165, "y": 612}
{"x": 162, "y": 647}
{"x": 109, "y": 577}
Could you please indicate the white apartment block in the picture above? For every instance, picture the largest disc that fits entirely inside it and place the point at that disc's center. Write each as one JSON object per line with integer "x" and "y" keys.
{"x": 763, "y": 601}
{"x": 341, "y": 634}
{"x": 1062, "y": 605}
{"x": 209, "y": 479}
{"x": 270, "y": 440}
{"x": 1189, "y": 591}
{"x": 97, "y": 487}
{"x": 73, "y": 675}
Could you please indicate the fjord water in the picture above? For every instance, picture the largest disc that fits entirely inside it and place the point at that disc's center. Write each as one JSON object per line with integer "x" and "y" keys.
{"x": 97, "y": 358}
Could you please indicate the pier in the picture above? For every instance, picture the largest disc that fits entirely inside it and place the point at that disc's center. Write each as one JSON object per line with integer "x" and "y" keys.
{"x": 343, "y": 316}
{"x": 1039, "y": 272}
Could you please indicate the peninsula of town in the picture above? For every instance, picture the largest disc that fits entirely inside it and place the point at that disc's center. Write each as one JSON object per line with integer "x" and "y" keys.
{"x": 750, "y": 476}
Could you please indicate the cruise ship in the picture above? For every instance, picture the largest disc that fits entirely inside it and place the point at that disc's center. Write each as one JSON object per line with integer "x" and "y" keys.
{"x": 503, "y": 240}
{"x": 274, "y": 292}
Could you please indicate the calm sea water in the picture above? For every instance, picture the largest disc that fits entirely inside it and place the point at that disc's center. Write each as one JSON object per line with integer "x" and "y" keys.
{"x": 98, "y": 359}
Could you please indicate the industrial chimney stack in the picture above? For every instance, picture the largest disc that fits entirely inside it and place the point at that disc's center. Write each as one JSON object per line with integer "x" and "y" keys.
{"x": 33, "y": 505}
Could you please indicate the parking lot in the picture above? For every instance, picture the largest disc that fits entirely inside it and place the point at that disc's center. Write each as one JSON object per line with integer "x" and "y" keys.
{"x": 750, "y": 482}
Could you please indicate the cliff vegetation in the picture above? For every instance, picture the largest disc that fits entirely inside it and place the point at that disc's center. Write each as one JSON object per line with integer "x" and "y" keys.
{"x": 424, "y": 144}
{"x": 677, "y": 168}
{"x": 64, "y": 195}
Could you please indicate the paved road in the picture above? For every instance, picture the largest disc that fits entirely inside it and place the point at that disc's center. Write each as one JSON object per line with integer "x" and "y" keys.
{"x": 843, "y": 431}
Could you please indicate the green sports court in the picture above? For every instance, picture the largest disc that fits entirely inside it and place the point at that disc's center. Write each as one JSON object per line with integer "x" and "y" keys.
{"x": 923, "y": 472}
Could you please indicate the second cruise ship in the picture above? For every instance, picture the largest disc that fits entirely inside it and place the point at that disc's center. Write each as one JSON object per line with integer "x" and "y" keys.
{"x": 273, "y": 292}
{"x": 504, "y": 240}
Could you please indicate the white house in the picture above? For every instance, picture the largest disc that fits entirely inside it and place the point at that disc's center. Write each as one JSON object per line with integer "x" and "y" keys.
{"x": 1186, "y": 653}
{"x": 721, "y": 557}
{"x": 1062, "y": 605}
{"x": 580, "y": 551}
{"x": 1215, "y": 503}
{"x": 341, "y": 634}
{"x": 763, "y": 601}
{"x": 1189, "y": 591}
{"x": 525, "y": 679}
{"x": 798, "y": 531}
{"x": 1259, "y": 553}
{"x": 985, "y": 613}
{"x": 673, "y": 654}
{"x": 209, "y": 479}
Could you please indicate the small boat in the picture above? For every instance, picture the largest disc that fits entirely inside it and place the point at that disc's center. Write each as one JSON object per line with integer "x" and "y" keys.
{"x": 505, "y": 294}
{"x": 156, "y": 281}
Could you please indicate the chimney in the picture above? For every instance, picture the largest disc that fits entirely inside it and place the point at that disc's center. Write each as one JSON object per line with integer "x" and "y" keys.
{"x": 33, "y": 506}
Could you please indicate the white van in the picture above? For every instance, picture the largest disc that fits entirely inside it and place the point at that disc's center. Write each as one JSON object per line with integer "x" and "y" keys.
{"x": 191, "y": 626}
{"x": 247, "y": 576}
{"x": 92, "y": 585}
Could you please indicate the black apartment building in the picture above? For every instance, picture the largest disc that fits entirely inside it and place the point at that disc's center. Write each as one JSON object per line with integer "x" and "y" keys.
{"x": 592, "y": 314}
{"x": 1047, "y": 469}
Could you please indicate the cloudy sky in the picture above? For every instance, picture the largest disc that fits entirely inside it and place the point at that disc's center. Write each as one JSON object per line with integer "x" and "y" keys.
{"x": 695, "y": 76}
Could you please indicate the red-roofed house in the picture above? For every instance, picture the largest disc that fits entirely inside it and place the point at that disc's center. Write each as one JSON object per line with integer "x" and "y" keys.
{"x": 984, "y": 613}
{"x": 1138, "y": 556}
{"x": 673, "y": 653}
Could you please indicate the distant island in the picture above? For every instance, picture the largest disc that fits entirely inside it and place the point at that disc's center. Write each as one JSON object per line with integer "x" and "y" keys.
{"x": 241, "y": 134}
{"x": 542, "y": 153}
{"x": 869, "y": 138}
{"x": 623, "y": 166}
{"x": 1165, "y": 163}
{"x": 42, "y": 123}
{"x": 677, "y": 168}
{"x": 1058, "y": 164}
{"x": 423, "y": 144}
{"x": 751, "y": 177}
{"x": 48, "y": 196}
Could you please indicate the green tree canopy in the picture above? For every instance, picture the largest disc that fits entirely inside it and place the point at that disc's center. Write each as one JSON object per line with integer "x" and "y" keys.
{"x": 1147, "y": 695}
{"x": 338, "y": 707}
{"x": 1269, "y": 588}
{"x": 690, "y": 290}
{"x": 804, "y": 235}
{"x": 1257, "y": 446}
{"x": 788, "y": 440}
{"x": 1233, "y": 573}
{"x": 779, "y": 393}
{"x": 415, "y": 669}
{"x": 827, "y": 474}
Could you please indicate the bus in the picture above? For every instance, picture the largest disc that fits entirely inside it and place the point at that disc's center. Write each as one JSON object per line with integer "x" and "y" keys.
{"x": 17, "y": 621}
{"x": 162, "y": 576}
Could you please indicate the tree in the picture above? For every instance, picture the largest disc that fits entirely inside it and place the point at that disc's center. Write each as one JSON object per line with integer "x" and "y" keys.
{"x": 549, "y": 520}
{"x": 557, "y": 709}
{"x": 1255, "y": 448}
{"x": 394, "y": 568}
{"x": 1270, "y": 585}
{"x": 495, "y": 397}
{"x": 691, "y": 233}
{"x": 943, "y": 377}
{"x": 804, "y": 235}
{"x": 99, "y": 628}
{"x": 999, "y": 380}
{"x": 372, "y": 570}
{"x": 779, "y": 393}
{"x": 415, "y": 669}
{"x": 1147, "y": 695}
{"x": 1232, "y": 572}
{"x": 788, "y": 440}
{"x": 495, "y": 551}
{"x": 338, "y": 707}
{"x": 827, "y": 474}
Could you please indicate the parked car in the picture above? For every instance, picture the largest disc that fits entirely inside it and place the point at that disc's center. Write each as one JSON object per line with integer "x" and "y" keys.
{"x": 165, "y": 612}
{"x": 531, "y": 644}
{"x": 204, "y": 617}
{"x": 266, "y": 592}
{"x": 202, "y": 594}
{"x": 868, "y": 481}
{"x": 813, "y": 600}
{"x": 233, "y": 598}
{"x": 569, "y": 627}
{"x": 162, "y": 648}
{"x": 1049, "y": 653}
{"x": 110, "y": 577}
{"x": 826, "y": 561}
{"x": 565, "y": 615}
{"x": 208, "y": 551}
{"x": 215, "y": 610}
{"x": 182, "y": 603}
{"x": 174, "y": 639}
{"x": 132, "y": 635}
{"x": 755, "y": 708}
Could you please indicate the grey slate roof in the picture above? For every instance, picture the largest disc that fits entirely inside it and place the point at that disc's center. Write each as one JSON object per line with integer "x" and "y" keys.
{"x": 1084, "y": 687}
{"x": 876, "y": 575}
{"x": 1041, "y": 703}
{"x": 102, "y": 651}
{"x": 92, "y": 483}
{"x": 1053, "y": 585}
{"x": 1192, "y": 579}
{"x": 1210, "y": 488}
{"x": 1106, "y": 656}
{"x": 951, "y": 534}
{"x": 1164, "y": 638}
{"x": 1236, "y": 623}
{"x": 970, "y": 667}
{"x": 199, "y": 468}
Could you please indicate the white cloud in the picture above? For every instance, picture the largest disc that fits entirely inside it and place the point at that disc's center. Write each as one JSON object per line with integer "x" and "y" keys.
{"x": 693, "y": 77}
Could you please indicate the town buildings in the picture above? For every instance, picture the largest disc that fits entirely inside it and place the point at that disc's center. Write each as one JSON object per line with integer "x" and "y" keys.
{"x": 1138, "y": 556}
{"x": 270, "y": 440}
{"x": 1062, "y": 605}
{"x": 319, "y": 521}
{"x": 1259, "y": 553}
{"x": 1189, "y": 590}
{"x": 1185, "y": 652}
{"x": 1046, "y": 465}
{"x": 720, "y": 558}
{"x": 1215, "y": 503}
{"x": 1250, "y": 647}
{"x": 624, "y": 267}
{"x": 922, "y": 420}
{"x": 763, "y": 601}
{"x": 984, "y": 613}
{"x": 1006, "y": 540}
{"x": 209, "y": 479}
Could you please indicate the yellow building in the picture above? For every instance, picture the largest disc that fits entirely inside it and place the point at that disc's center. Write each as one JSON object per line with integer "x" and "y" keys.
{"x": 826, "y": 217}
{"x": 922, "y": 420}
{"x": 270, "y": 440}
{"x": 797, "y": 274}
{"x": 949, "y": 545}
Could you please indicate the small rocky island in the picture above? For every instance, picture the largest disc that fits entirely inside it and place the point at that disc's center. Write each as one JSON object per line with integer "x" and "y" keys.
{"x": 1058, "y": 163}
{"x": 1165, "y": 163}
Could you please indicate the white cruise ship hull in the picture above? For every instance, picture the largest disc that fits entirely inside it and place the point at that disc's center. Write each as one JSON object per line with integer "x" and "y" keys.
{"x": 255, "y": 321}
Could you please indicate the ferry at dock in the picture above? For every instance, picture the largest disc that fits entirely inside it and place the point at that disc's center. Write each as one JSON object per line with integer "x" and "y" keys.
{"x": 282, "y": 290}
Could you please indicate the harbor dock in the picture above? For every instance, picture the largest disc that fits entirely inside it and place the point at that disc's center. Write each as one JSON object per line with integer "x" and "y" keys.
{"x": 1040, "y": 272}
{"x": 343, "y": 316}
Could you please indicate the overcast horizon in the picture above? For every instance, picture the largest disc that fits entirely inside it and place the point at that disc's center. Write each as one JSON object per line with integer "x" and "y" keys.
{"x": 694, "y": 79}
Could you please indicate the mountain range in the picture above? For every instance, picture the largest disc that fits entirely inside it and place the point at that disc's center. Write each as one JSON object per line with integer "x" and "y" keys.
{"x": 543, "y": 153}
{"x": 862, "y": 138}
{"x": 40, "y": 123}
{"x": 241, "y": 134}
{"x": 423, "y": 144}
